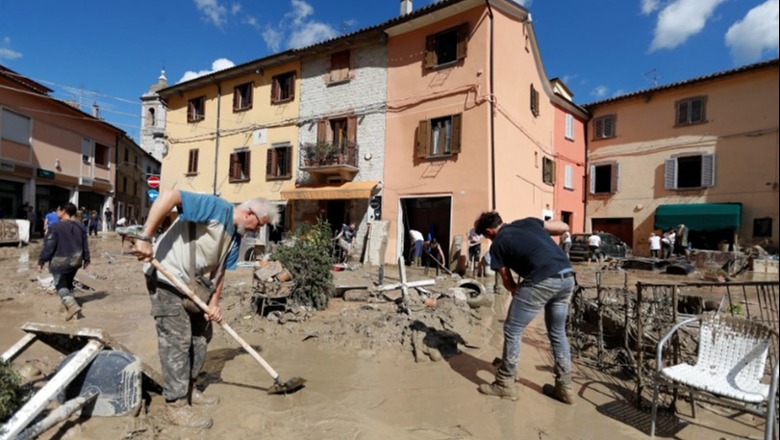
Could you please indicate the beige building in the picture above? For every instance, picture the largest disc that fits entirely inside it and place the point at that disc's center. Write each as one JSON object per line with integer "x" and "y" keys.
{"x": 701, "y": 152}
{"x": 234, "y": 133}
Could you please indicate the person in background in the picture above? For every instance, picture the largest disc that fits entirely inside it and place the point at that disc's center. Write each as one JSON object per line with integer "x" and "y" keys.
{"x": 210, "y": 228}
{"x": 681, "y": 240}
{"x": 475, "y": 249}
{"x": 655, "y": 245}
{"x": 66, "y": 250}
{"x": 594, "y": 243}
{"x": 50, "y": 219}
{"x": 345, "y": 239}
{"x": 526, "y": 248}
{"x": 417, "y": 247}
{"x": 667, "y": 243}
{"x": 94, "y": 220}
{"x": 435, "y": 256}
{"x": 109, "y": 217}
{"x": 565, "y": 242}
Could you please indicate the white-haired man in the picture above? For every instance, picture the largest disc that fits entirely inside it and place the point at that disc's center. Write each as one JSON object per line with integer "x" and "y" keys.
{"x": 199, "y": 245}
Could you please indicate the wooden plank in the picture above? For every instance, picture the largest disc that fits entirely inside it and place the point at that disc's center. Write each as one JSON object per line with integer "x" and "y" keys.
{"x": 41, "y": 399}
{"x": 17, "y": 348}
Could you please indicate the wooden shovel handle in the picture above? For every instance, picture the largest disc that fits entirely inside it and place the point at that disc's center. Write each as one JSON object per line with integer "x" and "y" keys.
{"x": 203, "y": 306}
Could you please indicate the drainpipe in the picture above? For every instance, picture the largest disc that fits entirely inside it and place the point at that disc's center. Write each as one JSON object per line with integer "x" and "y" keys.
{"x": 492, "y": 114}
{"x": 216, "y": 141}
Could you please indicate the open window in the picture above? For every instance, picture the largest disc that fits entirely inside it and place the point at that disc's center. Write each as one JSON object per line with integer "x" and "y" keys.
{"x": 604, "y": 127}
{"x": 548, "y": 171}
{"x": 685, "y": 171}
{"x": 192, "y": 162}
{"x": 279, "y": 161}
{"x": 446, "y": 47}
{"x": 242, "y": 97}
{"x": 196, "y": 109}
{"x": 604, "y": 178}
{"x": 534, "y": 101}
{"x": 239, "y": 166}
{"x": 339, "y": 68}
{"x": 439, "y": 136}
{"x": 283, "y": 88}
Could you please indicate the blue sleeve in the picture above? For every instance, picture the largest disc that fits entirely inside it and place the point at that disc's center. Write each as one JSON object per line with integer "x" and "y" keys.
{"x": 205, "y": 208}
{"x": 231, "y": 262}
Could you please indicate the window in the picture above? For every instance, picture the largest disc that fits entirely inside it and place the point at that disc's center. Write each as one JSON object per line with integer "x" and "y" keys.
{"x": 446, "y": 47}
{"x": 604, "y": 178}
{"x": 569, "y": 133}
{"x": 762, "y": 227}
{"x": 242, "y": 97}
{"x": 239, "y": 166}
{"x": 124, "y": 184}
{"x": 548, "y": 171}
{"x": 102, "y": 155}
{"x": 283, "y": 87}
{"x": 534, "y": 101}
{"x": 691, "y": 111}
{"x": 86, "y": 150}
{"x": 439, "y": 136}
{"x": 192, "y": 163}
{"x": 568, "y": 177}
{"x": 279, "y": 162}
{"x": 196, "y": 109}
{"x": 151, "y": 118}
{"x": 604, "y": 127}
{"x": 689, "y": 171}
{"x": 16, "y": 127}
{"x": 339, "y": 67}
{"x": 127, "y": 155}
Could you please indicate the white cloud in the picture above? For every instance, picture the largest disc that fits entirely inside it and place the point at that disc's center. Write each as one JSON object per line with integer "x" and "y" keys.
{"x": 599, "y": 92}
{"x": 212, "y": 11}
{"x": 235, "y": 8}
{"x": 217, "y": 65}
{"x": 680, "y": 20}
{"x": 310, "y": 33}
{"x": 650, "y": 6}
{"x": 755, "y": 34}
{"x": 301, "y": 10}
{"x": 273, "y": 38}
{"x": 6, "y": 52}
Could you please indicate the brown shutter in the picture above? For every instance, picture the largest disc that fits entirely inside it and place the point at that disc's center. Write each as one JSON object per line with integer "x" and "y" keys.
{"x": 269, "y": 163}
{"x": 235, "y": 166}
{"x": 248, "y": 164}
{"x": 352, "y": 129}
{"x": 322, "y": 132}
{"x": 274, "y": 89}
{"x": 422, "y": 140}
{"x": 287, "y": 171}
{"x": 236, "y": 100}
{"x": 463, "y": 40}
{"x": 456, "y": 133}
{"x": 430, "y": 52}
{"x": 292, "y": 85}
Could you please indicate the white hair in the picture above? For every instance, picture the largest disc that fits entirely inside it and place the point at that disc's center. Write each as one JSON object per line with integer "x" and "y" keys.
{"x": 263, "y": 209}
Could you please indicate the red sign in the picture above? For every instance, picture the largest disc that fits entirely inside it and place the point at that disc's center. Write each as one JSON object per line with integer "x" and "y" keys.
{"x": 153, "y": 181}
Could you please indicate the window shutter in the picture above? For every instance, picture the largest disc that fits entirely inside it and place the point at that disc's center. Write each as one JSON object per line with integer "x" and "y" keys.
{"x": 288, "y": 161}
{"x": 269, "y": 162}
{"x": 430, "y": 52}
{"x": 553, "y": 171}
{"x": 567, "y": 176}
{"x": 236, "y": 100}
{"x": 248, "y": 164}
{"x": 708, "y": 170}
{"x": 291, "y": 85}
{"x": 613, "y": 184}
{"x": 682, "y": 113}
{"x": 598, "y": 128}
{"x": 235, "y": 166}
{"x": 456, "y": 133}
{"x": 422, "y": 139}
{"x": 670, "y": 173}
{"x": 322, "y": 132}
{"x": 696, "y": 110}
{"x": 592, "y": 179}
{"x": 275, "y": 89}
{"x": 609, "y": 127}
{"x": 463, "y": 41}
{"x": 249, "y": 94}
{"x": 569, "y": 127}
{"x": 352, "y": 129}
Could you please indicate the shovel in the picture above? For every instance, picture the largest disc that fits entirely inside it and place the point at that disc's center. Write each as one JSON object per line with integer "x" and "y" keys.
{"x": 279, "y": 387}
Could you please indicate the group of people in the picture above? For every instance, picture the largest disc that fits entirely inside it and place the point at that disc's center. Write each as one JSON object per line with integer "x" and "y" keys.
{"x": 429, "y": 247}
{"x": 673, "y": 241}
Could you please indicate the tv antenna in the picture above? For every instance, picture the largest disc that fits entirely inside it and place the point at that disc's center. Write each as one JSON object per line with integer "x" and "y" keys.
{"x": 652, "y": 76}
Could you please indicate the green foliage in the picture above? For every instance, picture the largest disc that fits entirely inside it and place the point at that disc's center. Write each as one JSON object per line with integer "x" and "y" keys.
{"x": 12, "y": 394}
{"x": 306, "y": 254}
{"x": 736, "y": 309}
{"x": 320, "y": 152}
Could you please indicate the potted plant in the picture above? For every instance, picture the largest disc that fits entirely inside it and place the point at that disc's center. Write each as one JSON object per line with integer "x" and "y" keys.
{"x": 318, "y": 153}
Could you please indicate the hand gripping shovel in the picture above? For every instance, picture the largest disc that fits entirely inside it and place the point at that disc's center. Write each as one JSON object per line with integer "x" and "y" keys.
{"x": 279, "y": 387}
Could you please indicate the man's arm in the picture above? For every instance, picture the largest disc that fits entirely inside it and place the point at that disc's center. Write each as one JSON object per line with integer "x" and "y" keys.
{"x": 165, "y": 202}
{"x": 555, "y": 227}
{"x": 507, "y": 279}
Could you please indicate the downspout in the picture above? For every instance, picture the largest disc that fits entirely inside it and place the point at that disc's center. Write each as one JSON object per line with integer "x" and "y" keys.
{"x": 216, "y": 141}
{"x": 492, "y": 114}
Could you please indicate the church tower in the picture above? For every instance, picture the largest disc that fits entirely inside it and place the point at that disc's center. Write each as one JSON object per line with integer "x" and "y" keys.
{"x": 153, "y": 119}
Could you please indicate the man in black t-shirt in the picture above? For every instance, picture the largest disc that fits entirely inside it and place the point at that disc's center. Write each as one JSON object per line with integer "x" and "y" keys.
{"x": 547, "y": 281}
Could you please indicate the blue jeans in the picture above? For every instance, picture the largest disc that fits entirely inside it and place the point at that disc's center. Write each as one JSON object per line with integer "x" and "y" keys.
{"x": 552, "y": 294}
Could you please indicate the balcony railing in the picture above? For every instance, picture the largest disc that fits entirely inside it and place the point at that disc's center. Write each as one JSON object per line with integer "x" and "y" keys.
{"x": 326, "y": 159}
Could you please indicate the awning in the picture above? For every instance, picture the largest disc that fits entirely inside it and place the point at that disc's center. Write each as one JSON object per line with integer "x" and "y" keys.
{"x": 699, "y": 216}
{"x": 332, "y": 191}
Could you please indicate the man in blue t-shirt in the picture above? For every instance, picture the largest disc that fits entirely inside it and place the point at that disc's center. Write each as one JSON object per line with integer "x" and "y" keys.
{"x": 208, "y": 230}
{"x": 547, "y": 281}
{"x": 51, "y": 218}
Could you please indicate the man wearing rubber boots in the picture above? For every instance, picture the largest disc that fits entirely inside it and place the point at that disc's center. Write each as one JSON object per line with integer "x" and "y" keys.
{"x": 547, "y": 282}
{"x": 200, "y": 244}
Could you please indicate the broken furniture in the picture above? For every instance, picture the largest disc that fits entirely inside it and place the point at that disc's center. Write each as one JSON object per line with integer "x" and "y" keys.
{"x": 97, "y": 369}
{"x": 730, "y": 368}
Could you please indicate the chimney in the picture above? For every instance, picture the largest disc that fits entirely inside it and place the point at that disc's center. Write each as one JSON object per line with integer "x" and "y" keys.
{"x": 406, "y": 7}
{"x": 95, "y": 111}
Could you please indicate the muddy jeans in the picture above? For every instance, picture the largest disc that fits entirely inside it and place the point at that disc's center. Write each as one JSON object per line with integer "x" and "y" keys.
{"x": 63, "y": 282}
{"x": 182, "y": 339}
{"x": 552, "y": 294}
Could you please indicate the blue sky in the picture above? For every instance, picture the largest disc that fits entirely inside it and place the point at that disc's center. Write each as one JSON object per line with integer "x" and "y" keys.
{"x": 109, "y": 52}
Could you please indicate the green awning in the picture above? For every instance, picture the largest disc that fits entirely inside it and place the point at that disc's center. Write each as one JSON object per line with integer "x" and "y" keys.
{"x": 699, "y": 216}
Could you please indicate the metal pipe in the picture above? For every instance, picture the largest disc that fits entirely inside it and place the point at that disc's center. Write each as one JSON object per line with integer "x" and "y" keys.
{"x": 216, "y": 141}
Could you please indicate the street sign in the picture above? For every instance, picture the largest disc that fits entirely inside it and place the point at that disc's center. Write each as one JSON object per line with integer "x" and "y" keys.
{"x": 153, "y": 181}
{"x": 152, "y": 193}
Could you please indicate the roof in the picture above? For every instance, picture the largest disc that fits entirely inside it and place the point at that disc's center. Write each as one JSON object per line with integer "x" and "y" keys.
{"x": 24, "y": 81}
{"x": 739, "y": 70}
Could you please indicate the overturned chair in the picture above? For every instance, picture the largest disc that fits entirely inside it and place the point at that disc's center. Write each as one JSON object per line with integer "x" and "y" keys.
{"x": 731, "y": 368}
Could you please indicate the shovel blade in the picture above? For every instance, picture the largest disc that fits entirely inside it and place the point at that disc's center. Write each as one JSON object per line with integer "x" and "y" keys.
{"x": 289, "y": 387}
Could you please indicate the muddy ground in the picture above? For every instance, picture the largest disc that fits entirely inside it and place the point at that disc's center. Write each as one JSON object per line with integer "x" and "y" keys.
{"x": 373, "y": 373}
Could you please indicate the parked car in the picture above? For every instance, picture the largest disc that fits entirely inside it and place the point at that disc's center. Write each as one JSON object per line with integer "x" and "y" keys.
{"x": 611, "y": 246}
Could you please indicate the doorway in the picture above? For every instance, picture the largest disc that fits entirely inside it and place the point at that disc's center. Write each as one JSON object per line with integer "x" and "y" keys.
{"x": 432, "y": 216}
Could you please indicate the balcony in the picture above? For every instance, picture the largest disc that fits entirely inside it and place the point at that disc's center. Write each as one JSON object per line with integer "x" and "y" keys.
{"x": 324, "y": 160}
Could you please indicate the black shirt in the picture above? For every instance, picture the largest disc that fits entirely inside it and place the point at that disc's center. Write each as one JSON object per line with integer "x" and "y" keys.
{"x": 528, "y": 249}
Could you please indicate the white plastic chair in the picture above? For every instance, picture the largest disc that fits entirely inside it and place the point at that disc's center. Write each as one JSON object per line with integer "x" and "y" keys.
{"x": 729, "y": 370}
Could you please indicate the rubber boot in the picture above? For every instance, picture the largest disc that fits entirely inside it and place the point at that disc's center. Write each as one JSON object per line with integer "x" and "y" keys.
{"x": 179, "y": 413}
{"x": 503, "y": 387}
{"x": 72, "y": 307}
{"x": 562, "y": 390}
